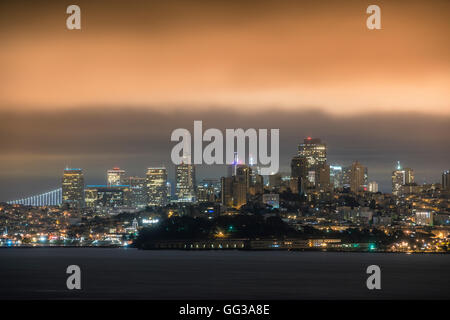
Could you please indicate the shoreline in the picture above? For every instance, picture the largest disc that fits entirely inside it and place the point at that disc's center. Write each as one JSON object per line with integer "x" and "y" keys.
{"x": 231, "y": 249}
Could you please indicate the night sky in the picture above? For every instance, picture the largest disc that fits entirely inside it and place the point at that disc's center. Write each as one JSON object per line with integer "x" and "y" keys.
{"x": 111, "y": 94}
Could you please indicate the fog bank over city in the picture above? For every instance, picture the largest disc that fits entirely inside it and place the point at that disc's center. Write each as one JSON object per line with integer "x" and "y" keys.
{"x": 37, "y": 146}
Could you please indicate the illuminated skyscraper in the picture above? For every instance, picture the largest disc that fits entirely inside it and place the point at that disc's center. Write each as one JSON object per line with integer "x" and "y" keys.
{"x": 358, "y": 177}
{"x": 206, "y": 191}
{"x": 373, "y": 187}
{"x": 169, "y": 191}
{"x": 314, "y": 151}
{"x": 256, "y": 181}
{"x": 226, "y": 191}
{"x": 322, "y": 179}
{"x": 299, "y": 174}
{"x": 115, "y": 177}
{"x": 138, "y": 191}
{"x": 241, "y": 185}
{"x": 156, "y": 185}
{"x": 446, "y": 180}
{"x": 185, "y": 178}
{"x": 102, "y": 196}
{"x": 409, "y": 176}
{"x": 305, "y": 167}
{"x": 73, "y": 187}
{"x": 336, "y": 177}
{"x": 400, "y": 177}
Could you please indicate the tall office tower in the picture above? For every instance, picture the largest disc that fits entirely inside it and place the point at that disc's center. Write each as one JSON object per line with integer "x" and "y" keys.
{"x": 185, "y": 187}
{"x": 226, "y": 191}
{"x": 243, "y": 174}
{"x": 299, "y": 174}
{"x": 206, "y": 191}
{"x": 138, "y": 191}
{"x": 409, "y": 176}
{"x": 358, "y": 177}
{"x": 73, "y": 187}
{"x": 169, "y": 191}
{"x": 314, "y": 151}
{"x": 241, "y": 185}
{"x": 322, "y": 178}
{"x": 373, "y": 187}
{"x": 115, "y": 177}
{"x": 156, "y": 185}
{"x": 275, "y": 180}
{"x": 400, "y": 177}
{"x": 298, "y": 167}
{"x": 346, "y": 176}
{"x": 446, "y": 180}
{"x": 256, "y": 182}
{"x": 336, "y": 177}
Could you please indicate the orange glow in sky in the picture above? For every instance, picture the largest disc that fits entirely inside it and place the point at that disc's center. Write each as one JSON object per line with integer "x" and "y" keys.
{"x": 261, "y": 55}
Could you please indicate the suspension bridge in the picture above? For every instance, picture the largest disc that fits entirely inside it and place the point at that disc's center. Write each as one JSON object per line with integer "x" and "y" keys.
{"x": 50, "y": 198}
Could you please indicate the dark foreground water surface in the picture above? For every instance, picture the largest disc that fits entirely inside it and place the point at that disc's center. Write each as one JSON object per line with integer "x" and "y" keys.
{"x": 40, "y": 273}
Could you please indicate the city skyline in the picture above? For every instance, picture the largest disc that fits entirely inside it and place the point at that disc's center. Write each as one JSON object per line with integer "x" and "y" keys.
{"x": 120, "y": 177}
{"x": 77, "y": 98}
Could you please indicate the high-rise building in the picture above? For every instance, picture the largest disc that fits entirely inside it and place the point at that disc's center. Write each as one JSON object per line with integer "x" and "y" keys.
{"x": 156, "y": 185}
{"x": 346, "y": 176}
{"x": 115, "y": 177}
{"x": 409, "y": 176}
{"x": 206, "y": 191}
{"x": 373, "y": 187}
{"x": 226, "y": 191}
{"x": 446, "y": 180}
{"x": 102, "y": 196}
{"x": 322, "y": 178}
{"x": 256, "y": 182}
{"x": 169, "y": 191}
{"x": 275, "y": 180}
{"x": 299, "y": 174}
{"x": 312, "y": 157}
{"x": 299, "y": 167}
{"x": 400, "y": 177}
{"x": 185, "y": 178}
{"x": 358, "y": 177}
{"x": 241, "y": 185}
{"x": 138, "y": 191}
{"x": 235, "y": 190}
{"x": 336, "y": 177}
{"x": 314, "y": 151}
{"x": 73, "y": 187}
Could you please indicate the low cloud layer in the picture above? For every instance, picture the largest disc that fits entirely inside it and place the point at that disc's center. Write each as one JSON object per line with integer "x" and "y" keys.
{"x": 36, "y": 146}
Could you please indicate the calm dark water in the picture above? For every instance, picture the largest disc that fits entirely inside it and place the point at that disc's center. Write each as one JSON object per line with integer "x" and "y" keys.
{"x": 40, "y": 273}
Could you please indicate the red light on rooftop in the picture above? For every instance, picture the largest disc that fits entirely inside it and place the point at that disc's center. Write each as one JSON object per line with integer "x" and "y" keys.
{"x": 309, "y": 138}
{"x": 116, "y": 168}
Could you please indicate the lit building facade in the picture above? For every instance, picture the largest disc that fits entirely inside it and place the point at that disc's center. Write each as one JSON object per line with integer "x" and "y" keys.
{"x": 373, "y": 187}
{"x": 103, "y": 196}
{"x": 424, "y": 218}
{"x": 446, "y": 180}
{"x": 138, "y": 191}
{"x": 314, "y": 151}
{"x": 156, "y": 186}
{"x": 185, "y": 182}
{"x": 73, "y": 187}
{"x": 271, "y": 199}
{"x": 358, "y": 177}
{"x": 310, "y": 168}
{"x": 115, "y": 177}
{"x": 336, "y": 177}
{"x": 401, "y": 177}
